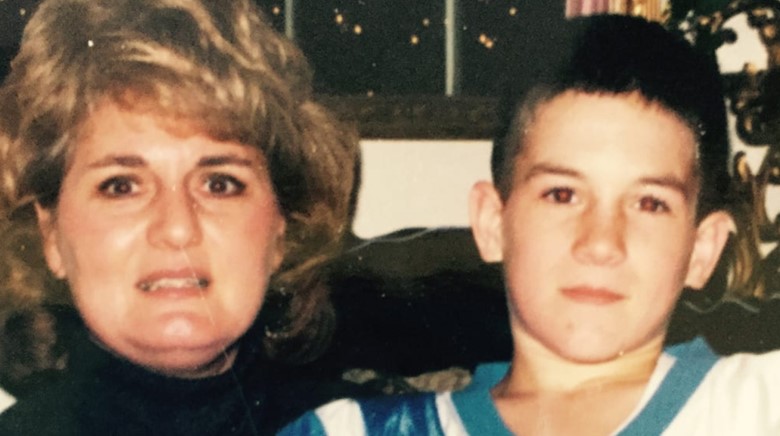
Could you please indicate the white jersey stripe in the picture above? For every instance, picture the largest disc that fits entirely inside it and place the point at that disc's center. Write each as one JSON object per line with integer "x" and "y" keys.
{"x": 342, "y": 417}
{"x": 449, "y": 418}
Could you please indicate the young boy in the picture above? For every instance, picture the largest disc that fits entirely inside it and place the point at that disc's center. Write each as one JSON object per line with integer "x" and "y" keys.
{"x": 610, "y": 173}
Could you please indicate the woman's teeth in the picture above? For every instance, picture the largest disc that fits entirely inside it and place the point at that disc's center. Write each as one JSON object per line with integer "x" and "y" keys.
{"x": 174, "y": 283}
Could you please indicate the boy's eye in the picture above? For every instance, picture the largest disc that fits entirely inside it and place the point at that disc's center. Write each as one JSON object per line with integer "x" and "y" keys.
{"x": 652, "y": 204}
{"x": 560, "y": 195}
{"x": 119, "y": 186}
{"x": 224, "y": 185}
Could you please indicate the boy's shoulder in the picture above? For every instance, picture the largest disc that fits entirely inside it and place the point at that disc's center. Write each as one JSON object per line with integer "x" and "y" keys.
{"x": 735, "y": 368}
{"x": 409, "y": 414}
{"x": 700, "y": 378}
{"x": 743, "y": 372}
{"x": 468, "y": 411}
{"x": 739, "y": 395}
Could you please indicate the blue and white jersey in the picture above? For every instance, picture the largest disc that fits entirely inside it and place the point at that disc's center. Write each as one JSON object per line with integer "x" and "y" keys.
{"x": 692, "y": 392}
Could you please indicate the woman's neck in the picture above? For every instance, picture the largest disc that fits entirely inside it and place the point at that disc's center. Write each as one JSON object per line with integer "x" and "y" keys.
{"x": 222, "y": 363}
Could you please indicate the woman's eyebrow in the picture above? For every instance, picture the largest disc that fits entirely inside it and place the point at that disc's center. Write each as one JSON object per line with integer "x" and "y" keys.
{"x": 226, "y": 159}
{"x": 137, "y": 161}
{"x": 120, "y": 160}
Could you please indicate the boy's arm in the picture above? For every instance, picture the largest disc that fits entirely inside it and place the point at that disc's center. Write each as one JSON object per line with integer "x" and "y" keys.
{"x": 308, "y": 424}
{"x": 340, "y": 417}
{"x": 402, "y": 415}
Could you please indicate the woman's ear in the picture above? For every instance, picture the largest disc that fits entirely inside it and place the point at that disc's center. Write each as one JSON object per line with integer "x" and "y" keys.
{"x": 711, "y": 236}
{"x": 47, "y": 227}
{"x": 485, "y": 215}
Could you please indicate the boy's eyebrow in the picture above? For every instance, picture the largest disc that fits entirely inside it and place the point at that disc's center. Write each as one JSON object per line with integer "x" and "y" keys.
{"x": 670, "y": 182}
{"x": 545, "y": 168}
{"x": 664, "y": 181}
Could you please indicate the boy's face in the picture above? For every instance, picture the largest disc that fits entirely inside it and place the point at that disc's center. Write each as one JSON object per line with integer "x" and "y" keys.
{"x": 599, "y": 234}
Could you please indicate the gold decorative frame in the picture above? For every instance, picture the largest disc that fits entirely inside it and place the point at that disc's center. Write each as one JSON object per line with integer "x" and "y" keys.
{"x": 653, "y": 10}
{"x": 754, "y": 97}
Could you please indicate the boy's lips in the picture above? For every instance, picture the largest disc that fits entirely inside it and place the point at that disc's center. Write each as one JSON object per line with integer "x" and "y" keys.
{"x": 592, "y": 295}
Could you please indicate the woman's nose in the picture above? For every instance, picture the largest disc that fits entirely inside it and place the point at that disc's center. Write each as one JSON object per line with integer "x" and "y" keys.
{"x": 176, "y": 222}
{"x": 600, "y": 238}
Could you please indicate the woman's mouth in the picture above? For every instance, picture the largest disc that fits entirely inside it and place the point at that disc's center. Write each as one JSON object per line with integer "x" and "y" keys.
{"x": 173, "y": 283}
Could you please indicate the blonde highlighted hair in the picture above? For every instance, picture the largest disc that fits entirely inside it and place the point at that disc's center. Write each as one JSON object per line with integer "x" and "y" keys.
{"x": 221, "y": 68}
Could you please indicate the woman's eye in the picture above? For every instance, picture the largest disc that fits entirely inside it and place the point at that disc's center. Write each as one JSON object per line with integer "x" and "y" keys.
{"x": 653, "y": 205}
{"x": 224, "y": 185}
{"x": 560, "y": 195}
{"x": 119, "y": 186}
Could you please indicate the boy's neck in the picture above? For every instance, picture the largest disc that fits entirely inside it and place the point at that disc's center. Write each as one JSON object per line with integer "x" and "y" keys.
{"x": 537, "y": 369}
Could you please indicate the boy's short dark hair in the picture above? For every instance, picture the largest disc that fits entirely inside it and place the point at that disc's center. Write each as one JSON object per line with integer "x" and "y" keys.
{"x": 614, "y": 54}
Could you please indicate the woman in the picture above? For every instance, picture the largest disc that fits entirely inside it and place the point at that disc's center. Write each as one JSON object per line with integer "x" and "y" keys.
{"x": 181, "y": 175}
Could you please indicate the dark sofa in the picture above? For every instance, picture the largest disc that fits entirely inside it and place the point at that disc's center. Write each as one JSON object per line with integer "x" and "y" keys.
{"x": 421, "y": 300}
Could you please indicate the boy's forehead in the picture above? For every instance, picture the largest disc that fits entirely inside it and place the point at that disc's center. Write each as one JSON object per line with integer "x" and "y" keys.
{"x": 574, "y": 97}
{"x": 573, "y": 108}
{"x": 625, "y": 127}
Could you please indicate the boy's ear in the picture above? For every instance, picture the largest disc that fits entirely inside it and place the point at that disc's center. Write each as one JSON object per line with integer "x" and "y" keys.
{"x": 47, "y": 227}
{"x": 485, "y": 215}
{"x": 711, "y": 236}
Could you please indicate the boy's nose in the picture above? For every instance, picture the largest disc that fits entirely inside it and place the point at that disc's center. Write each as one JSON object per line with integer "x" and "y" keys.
{"x": 601, "y": 237}
{"x": 175, "y": 223}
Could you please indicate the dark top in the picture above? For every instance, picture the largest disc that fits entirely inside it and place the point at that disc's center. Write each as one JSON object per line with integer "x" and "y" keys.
{"x": 101, "y": 394}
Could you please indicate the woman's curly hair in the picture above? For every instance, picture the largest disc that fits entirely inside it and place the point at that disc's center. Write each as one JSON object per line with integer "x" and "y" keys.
{"x": 219, "y": 66}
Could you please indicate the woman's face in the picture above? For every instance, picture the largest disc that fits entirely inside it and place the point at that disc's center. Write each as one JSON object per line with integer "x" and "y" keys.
{"x": 167, "y": 239}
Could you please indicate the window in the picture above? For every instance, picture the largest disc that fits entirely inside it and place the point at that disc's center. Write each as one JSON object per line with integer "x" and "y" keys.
{"x": 406, "y": 47}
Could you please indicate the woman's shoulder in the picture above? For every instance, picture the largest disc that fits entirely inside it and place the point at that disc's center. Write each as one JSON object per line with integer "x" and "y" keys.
{"x": 6, "y": 400}
{"x": 47, "y": 412}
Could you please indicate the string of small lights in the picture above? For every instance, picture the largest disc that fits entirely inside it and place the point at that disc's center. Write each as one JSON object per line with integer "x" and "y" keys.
{"x": 368, "y": 47}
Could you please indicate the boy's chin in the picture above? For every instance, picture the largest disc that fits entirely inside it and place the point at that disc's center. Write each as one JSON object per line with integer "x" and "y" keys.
{"x": 591, "y": 356}
{"x": 605, "y": 351}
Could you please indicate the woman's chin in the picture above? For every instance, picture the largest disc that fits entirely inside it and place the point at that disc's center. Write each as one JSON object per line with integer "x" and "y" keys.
{"x": 187, "y": 362}
{"x": 178, "y": 351}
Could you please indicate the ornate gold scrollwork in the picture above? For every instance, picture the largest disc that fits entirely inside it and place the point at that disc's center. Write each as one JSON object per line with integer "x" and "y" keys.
{"x": 755, "y": 101}
{"x": 653, "y": 10}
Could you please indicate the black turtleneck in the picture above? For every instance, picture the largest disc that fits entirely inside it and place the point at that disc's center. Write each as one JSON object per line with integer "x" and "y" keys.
{"x": 101, "y": 394}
